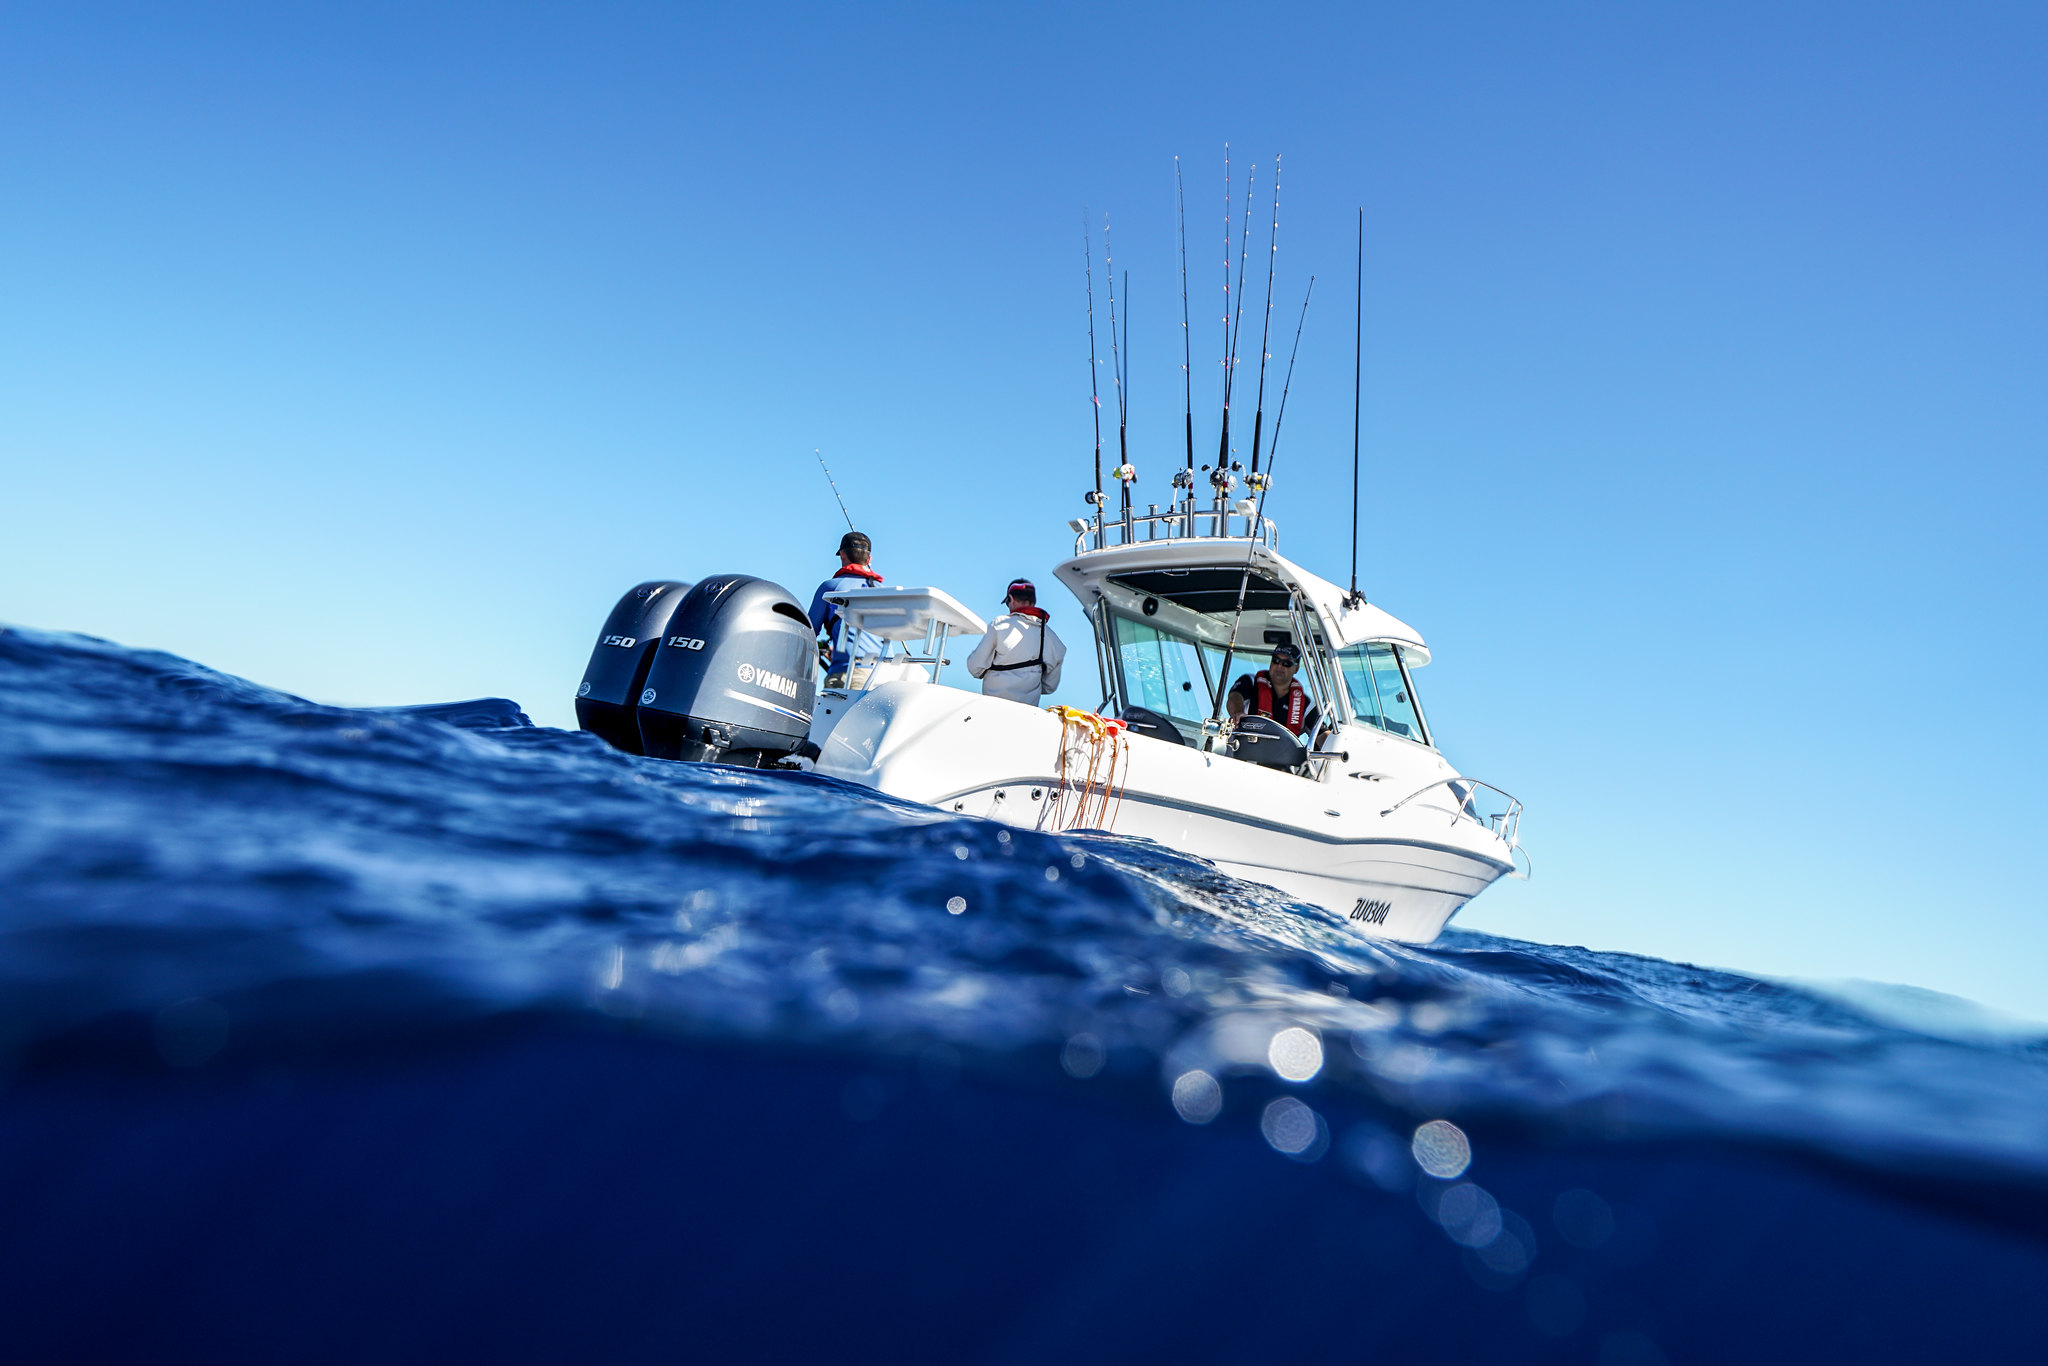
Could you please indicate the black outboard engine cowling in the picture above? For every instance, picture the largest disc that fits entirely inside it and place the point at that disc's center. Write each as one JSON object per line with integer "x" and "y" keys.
{"x": 734, "y": 679}
{"x": 612, "y": 682}
{"x": 1263, "y": 741}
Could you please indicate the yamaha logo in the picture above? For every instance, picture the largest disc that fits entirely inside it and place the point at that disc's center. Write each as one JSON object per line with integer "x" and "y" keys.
{"x": 584, "y": 689}
{"x": 646, "y": 697}
{"x": 767, "y": 678}
{"x": 1371, "y": 912}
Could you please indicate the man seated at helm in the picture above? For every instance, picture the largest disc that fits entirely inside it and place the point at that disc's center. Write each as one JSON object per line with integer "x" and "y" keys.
{"x": 1273, "y": 691}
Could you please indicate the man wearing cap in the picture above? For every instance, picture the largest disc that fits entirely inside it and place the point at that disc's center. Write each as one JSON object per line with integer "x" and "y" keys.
{"x": 1020, "y": 657}
{"x": 854, "y": 552}
{"x": 1273, "y": 691}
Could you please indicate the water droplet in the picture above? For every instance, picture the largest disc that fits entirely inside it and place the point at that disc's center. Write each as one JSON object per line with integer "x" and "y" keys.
{"x": 1442, "y": 1150}
{"x": 1295, "y": 1054}
{"x": 1197, "y": 1097}
{"x": 1082, "y": 1057}
{"x": 1469, "y": 1215}
{"x": 1294, "y": 1130}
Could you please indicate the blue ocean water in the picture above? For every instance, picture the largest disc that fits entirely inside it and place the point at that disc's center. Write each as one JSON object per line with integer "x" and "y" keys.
{"x": 425, "y": 1034}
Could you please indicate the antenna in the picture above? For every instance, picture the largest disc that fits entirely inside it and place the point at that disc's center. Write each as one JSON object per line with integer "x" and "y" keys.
{"x": 1265, "y": 332}
{"x": 1094, "y": 395}
{"x": 835, "y": 487}
{"x": 1353, "y": 598}
{"x": 1244, "y": 583}
{"x": 1187, "y": 359}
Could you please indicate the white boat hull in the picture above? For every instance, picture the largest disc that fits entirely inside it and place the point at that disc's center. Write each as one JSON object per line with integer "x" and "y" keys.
{"x": 1331, "y": 842}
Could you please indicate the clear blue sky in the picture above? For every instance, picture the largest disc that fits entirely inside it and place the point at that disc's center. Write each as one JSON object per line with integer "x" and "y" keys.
{"x": 371, "y": 351}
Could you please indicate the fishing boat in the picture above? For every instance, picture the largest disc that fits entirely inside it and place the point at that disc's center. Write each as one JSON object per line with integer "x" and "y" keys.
{"x": 1367, "y": 818}
{"x": 1351, "y": 806}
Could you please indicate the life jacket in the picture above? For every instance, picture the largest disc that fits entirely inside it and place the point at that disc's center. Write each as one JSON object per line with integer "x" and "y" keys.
{"x": 1297, "y": 702}
{"x": 825, "y": 615}
{"x": 1042, "y": 617}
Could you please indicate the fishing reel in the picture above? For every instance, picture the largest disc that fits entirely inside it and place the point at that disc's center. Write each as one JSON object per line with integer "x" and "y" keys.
{"x": 1126, "y": 472}
{"x": 1258, "y": 482}
{"x": 1221, "y": 478}
{"x": 1184, "y": 478}
{"x": 1094, "y": 498}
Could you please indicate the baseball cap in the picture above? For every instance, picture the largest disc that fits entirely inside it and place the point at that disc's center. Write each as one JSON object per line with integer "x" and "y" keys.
{"x": 1022, "y": 588}
{"x": 1286, "y": 654}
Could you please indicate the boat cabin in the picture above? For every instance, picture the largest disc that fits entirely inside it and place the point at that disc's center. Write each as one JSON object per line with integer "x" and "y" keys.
{"x": 1162, "y": 610}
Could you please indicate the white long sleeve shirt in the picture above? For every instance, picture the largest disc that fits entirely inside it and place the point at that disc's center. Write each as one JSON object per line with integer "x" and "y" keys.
{"x": 1016, "y": 639}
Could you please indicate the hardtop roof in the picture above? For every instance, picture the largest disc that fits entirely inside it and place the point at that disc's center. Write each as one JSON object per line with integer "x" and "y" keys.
{"x": 1154, "y": 566}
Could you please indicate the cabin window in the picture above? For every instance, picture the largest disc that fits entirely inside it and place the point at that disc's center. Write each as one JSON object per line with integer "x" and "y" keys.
{"x": 1163, "y": 672}
{"x": 1381, "y": 693}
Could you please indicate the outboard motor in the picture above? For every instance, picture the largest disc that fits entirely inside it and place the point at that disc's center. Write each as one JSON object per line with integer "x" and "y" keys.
{"x": 617, "y": 672}
{"x": 734, "y": 679}
{"x": 1263, "y": 741}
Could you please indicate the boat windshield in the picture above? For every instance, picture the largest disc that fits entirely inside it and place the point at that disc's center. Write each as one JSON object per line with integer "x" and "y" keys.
{"x": 1165, "y": 672}
{"x": 1381, "y": 692}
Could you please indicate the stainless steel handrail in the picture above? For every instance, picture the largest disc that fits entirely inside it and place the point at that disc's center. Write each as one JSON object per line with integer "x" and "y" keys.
{"x": 1506, "y": 825}
{"x": 1174, "y": 522}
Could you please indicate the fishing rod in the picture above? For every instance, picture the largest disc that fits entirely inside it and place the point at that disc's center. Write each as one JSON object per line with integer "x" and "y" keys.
{"x": 1122, "y": 472}
{"x": 1094, "y": 394}
{"x": 835, "y": 487}
{"x": 1129, "y": 474}
{"x": 1354, "y": 597}
{"x": 1244, "y": 583}
{"x": 1281, "y": 416}
{"x": 1255, "y": 482}
{"x": 1221, "y": 478}
{"x": 1221, "y": 471}
{"x": 1186, "y": 478}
